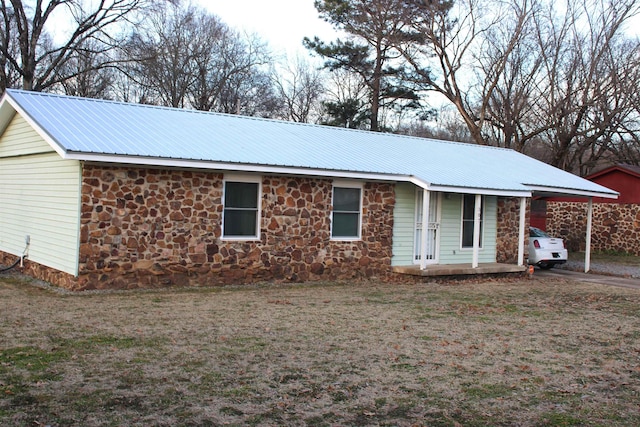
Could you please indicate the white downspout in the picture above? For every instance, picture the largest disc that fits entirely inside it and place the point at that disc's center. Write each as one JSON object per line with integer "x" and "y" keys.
{"x": 425, "y": 228}
{"x": 523, "y": 212}
{"x": 476, "y": 230}
{"x": 587, "y": 250}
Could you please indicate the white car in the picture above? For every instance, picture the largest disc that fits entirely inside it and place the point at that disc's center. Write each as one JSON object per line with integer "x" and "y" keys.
{"x": 545, "y": 251}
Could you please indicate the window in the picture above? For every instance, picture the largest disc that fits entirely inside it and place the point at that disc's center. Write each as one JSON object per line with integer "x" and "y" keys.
{"x": 345, "y": 220}
{"x": 468, "y": 204}
{"x": 241, "y": 212}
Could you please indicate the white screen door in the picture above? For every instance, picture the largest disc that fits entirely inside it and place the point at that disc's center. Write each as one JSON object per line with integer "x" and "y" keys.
{"x": 432, "y": 231}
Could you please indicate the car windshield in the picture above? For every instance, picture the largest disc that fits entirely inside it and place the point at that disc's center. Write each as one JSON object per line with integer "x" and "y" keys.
{"x": 536, "y": 232}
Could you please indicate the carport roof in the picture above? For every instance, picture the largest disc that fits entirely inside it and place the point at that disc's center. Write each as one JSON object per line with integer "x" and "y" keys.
{"x": 115, "y": 132}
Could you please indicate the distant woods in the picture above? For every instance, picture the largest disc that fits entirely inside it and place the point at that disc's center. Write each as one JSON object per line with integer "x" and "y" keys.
{"x": 558, "y": 81}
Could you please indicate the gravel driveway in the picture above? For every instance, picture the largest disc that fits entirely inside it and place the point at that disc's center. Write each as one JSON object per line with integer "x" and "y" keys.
{"x": 605, "y": 268}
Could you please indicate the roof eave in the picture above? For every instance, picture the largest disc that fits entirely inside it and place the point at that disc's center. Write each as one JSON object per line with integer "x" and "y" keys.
{"x": 501, "y": 192}
{"x": 285, "y": 170}
{"x": 229, "y": 166}
{"x": 571, "y": 192}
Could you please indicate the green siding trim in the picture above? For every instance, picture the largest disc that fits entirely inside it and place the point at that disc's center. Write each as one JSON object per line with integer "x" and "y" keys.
{"x": 451, "y": 231}
{"x": 40, "y": 197}
{"x": 403, "y": 224}
{"x": 19, "y": 139}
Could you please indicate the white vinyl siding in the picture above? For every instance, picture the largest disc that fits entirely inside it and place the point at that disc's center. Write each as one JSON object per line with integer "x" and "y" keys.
{"x": 403, "y": 224}
{"x": 19, "y": 139}
{"x": 39, "y": 197}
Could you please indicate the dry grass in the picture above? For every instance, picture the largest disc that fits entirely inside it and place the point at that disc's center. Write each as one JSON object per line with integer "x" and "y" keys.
{"x": 527, "y": 353}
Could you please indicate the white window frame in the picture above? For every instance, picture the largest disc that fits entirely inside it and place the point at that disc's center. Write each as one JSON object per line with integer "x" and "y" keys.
{"x": 482, "y": 220}
{"x": 253, "y": 179}
{"x": 348, "y": 184}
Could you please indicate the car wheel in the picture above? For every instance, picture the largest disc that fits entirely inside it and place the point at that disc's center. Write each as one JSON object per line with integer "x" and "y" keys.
{"x": 545, "y": 266}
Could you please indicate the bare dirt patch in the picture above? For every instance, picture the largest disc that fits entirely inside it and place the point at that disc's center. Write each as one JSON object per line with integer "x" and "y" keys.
{"x": 476, "y": 353}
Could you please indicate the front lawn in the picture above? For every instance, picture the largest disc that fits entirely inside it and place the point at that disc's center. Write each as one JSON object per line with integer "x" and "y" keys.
{"x": 477, "y": 353}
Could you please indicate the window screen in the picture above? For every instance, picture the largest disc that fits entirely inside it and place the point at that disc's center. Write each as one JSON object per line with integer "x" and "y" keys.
{"x": 346, "y": 212}
{"x": 240, "y": 209}
{"x": 468, "y": 204}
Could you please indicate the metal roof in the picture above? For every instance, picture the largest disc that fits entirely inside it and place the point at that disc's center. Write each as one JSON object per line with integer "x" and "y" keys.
{"x": 90, "y": 129}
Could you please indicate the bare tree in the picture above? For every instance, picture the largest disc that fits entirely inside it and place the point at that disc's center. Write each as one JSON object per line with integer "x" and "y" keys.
{"x": 624, "y": 145}
{"x": 510, "y": 105}
{"x": 163, "y": 53}
{"x": 218, "y": 58}
{"x": 40, "y": 62}
{"x": 560, "y": 83}
{"x": 187, "y": 57}
{"x": 232, "y": 75}
{"x": 249, "y": 94}
{"x": 589, "y": 97}
{"x": 299, "y": 85}
{"x": 127, "y": 87}
{"x": 89, "y": 79}
{"x": 9, "y": 75}
{"x": 443, "y": 123}
{"x": 447, "y": 49}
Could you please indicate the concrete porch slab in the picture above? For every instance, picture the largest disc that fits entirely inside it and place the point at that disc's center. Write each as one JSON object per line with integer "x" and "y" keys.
{"x": 459, "y": 269}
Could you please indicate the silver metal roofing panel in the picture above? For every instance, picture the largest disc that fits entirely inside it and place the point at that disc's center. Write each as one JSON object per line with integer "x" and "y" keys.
{"x": 89, "y": 126}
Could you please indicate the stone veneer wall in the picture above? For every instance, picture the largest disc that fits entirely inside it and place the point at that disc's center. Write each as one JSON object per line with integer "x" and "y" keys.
{"x": 616, "y": 226}
{"x": 146, "y": 228}
{"x": 508, "y": 229}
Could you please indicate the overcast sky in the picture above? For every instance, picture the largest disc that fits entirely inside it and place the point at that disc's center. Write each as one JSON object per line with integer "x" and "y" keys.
{"x": 282, "y": 23}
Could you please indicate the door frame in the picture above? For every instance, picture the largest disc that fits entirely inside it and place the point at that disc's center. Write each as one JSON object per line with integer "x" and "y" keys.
{"x": 435, "y": 199}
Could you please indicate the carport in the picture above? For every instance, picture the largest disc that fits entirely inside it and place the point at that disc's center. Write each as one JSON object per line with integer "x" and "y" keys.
{"x": 542, "y": 192}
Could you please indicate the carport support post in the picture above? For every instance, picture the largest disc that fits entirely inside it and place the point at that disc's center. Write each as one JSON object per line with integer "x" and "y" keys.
{"x": 425, "y": 228}
{"x": 523, "y": 212}
{"x": 587, "y": 249}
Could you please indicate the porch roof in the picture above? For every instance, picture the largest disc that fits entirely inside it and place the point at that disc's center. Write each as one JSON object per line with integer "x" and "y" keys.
{"x": 115, "y": 132}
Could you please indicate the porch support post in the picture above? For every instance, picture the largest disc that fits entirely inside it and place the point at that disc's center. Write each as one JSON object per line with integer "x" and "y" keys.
{"x": 523, "y": 212}
{"x": 425, "y": 228}
{"x": 587, "y": 250}
{"x": 476, "y": 230}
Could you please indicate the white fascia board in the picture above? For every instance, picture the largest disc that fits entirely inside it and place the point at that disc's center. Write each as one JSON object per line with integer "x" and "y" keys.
{"x": 48, "y": 139}
{"x": 7, "y": 111}
{"x": 469, "y": 190}
{"x": 232, "y": 167}
{"x": 573, "y": 192}
{"x": 482, "y": 191}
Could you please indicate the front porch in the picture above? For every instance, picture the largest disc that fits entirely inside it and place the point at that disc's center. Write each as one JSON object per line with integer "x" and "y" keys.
{"x": 459, "y": 269}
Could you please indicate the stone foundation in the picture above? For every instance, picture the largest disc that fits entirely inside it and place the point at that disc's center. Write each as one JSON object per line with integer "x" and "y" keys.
{"x": 39, "y": 271}
{"x": 150, "y": 228}
{"x": 508, "y": 230}
{"x": 616, "y": 226}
